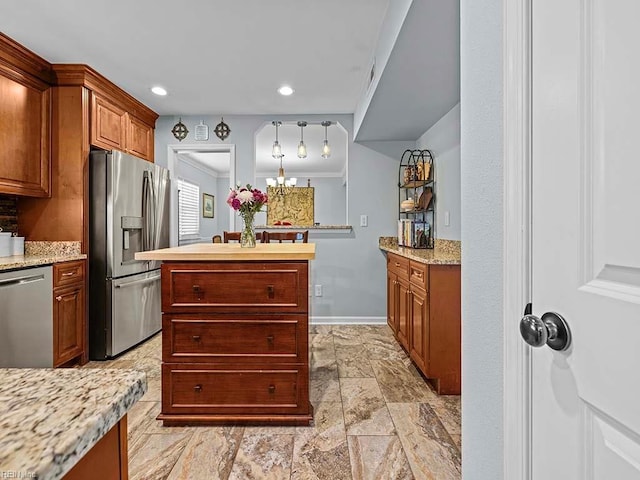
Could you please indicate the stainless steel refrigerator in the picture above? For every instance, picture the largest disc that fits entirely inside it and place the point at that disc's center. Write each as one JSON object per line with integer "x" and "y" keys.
{"x": 129, "y": 213}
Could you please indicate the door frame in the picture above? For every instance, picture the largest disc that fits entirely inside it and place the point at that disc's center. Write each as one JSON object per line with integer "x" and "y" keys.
{"x": 172, "y": 160}
{"x": 517, "y": 230}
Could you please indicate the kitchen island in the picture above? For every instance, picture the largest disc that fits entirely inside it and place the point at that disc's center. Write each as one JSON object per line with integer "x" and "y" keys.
{"x": 235, "y": 327}
{"x": 66, "y": 423}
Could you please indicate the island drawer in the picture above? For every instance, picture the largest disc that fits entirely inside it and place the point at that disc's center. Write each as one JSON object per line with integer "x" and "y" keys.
{"x": 195, "y": 388}
{"x": 234, "y": 338}
{"x": 235, "y": 287}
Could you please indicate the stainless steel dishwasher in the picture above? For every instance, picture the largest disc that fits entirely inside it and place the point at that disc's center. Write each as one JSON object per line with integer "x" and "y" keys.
{"x": 26, "y": 318}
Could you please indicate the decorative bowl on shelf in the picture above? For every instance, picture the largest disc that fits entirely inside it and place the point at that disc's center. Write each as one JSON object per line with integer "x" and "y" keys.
{"x": 408, "y": 204}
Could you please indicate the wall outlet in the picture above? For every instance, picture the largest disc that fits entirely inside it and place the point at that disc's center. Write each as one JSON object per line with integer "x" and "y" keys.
{"x": 364, "y": 220}
{"x": 318, "y": 290}
{"x": 447, "y": 219}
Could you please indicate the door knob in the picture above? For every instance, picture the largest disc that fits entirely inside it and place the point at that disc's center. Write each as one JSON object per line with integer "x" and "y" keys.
{"x": 551, "y": 329}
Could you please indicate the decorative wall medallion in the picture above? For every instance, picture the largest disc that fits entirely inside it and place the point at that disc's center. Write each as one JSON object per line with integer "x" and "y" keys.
{"x": 179, "y": 130}
{"x": 222, "y": 130}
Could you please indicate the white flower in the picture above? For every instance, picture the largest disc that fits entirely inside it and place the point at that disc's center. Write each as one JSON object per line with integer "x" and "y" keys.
{"x": 245, "y": 196}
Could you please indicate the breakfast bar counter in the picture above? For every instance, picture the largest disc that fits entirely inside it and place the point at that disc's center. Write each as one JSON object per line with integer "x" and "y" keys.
{"x": 235, "y": 333}
{"x": 53, "y": 420}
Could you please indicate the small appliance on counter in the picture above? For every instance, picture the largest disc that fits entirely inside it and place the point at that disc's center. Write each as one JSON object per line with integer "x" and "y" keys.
{"x": 10, "y": 245}
{"x": 129, "y": 213}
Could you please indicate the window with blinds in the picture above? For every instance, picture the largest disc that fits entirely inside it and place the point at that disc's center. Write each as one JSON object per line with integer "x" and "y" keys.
{"x": 188, "y": 209}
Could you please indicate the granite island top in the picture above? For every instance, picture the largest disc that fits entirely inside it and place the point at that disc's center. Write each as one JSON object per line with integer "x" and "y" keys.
{"x": 232, "y": 251}
{"x": 50, "y": 418}
{"x": 446, "y": 252}
{"x": 42, "y": 253}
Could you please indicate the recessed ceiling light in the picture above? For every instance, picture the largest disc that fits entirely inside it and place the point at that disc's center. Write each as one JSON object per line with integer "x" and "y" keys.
{"x": 159, "y": 91}
{"x": 285, "y": 90}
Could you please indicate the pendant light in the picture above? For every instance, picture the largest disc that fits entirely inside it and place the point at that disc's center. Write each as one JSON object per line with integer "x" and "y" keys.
{"x": 326, "y": 149}
{"x": 276, "y": 151}
{"x": 302, "y": 148}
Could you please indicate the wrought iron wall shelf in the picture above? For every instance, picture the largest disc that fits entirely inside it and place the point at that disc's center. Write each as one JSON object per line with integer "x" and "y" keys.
{"x": 416, "y": 187}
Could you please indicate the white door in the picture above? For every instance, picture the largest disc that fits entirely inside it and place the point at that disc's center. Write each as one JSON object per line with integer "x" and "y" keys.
{"x": 586, "y": 237}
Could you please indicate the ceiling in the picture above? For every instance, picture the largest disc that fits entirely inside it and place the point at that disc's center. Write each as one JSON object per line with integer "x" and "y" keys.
{"x": 219, "y": 162}
{"x": 230, "y": 57}
{"x": 218, "y": 56}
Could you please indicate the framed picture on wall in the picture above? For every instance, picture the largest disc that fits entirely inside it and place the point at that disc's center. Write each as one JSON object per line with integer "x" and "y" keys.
{"x": 207, "y": 205}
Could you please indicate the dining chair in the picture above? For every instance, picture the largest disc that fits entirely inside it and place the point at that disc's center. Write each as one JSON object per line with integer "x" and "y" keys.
{"x": 272, "y": 237}
{"x": 235, "y": 237}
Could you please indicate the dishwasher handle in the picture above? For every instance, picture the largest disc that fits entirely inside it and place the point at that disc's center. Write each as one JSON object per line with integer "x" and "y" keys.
{"x": 139, "y": 282}
{"x": 20, "y": 280}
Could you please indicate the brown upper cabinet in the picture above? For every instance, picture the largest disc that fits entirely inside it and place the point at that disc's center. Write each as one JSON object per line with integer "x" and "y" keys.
{"x": 87, "y": 111}
{"x": 114, "y": 128}
{"x": 25, "y": 121}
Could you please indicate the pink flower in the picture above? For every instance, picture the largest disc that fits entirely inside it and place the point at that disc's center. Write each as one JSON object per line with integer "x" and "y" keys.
{"x": 247, "y": 200}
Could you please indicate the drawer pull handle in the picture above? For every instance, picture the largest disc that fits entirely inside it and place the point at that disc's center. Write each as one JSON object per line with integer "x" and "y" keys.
{"x": 68, "y": 274}
{"x": 196, "y": 338}
{"x": 270, "y": 339}
{"x": 272, "y": 389}
{"x": 197, "y": 291}
{"x": 59, "y": 298}
{"x": 397, "y": 264}
{"x": 198, "y": 388}
{"x": 418, "y": 274}
{"x": 270, "y": 290}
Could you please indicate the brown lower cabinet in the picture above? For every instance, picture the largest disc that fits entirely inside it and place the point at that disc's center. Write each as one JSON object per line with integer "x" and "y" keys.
{"x": 69, "y": 317}
{"x": 424, "y": 312}
{"x": 235, "y": 343}
{"x": 107, "y": 460}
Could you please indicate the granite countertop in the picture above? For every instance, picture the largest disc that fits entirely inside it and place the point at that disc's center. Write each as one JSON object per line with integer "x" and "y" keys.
{"x": 50, "y": 418}
{"x": 446, "y": 252}
{"x": 43, "y": 253}
{"x": 232, "y": 251}
{"x": 303, "y": 227}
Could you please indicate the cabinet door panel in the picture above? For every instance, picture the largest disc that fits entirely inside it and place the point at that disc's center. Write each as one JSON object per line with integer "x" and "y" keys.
{"x": 392, "y": 302}
{"x": 139, "y": 139}
{"x": 25, "y": 137}
{"x": 420, "y": 329}
{"x": 403, "y": 314}
{"x": 107, "y": 124}
{"x": 68, "y": 316}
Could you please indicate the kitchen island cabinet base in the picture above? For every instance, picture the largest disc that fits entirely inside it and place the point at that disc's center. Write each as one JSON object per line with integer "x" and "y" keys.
{"x": 235, "y": 337}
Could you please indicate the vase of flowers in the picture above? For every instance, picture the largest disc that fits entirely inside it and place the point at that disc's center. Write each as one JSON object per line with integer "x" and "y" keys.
{"x": 247, "y": 201}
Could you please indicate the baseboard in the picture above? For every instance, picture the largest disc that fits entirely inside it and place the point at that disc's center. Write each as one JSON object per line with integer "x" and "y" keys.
{"x": 347, "y": 320}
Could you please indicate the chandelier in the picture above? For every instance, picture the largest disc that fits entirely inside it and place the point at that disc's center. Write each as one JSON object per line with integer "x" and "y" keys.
{"x": 281, "y": 184}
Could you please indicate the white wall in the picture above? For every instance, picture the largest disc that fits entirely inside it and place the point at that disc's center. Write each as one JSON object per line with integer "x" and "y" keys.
{"x": 208, "y": 183}
{"x": 350, "y": 266}
{"x": 443, "y": 139}
{"x": 389, "y": 31}
{"x": 482, "y": 219}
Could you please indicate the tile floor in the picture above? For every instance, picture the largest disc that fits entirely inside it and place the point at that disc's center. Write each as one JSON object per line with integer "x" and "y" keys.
{"x": 375, "y": 418}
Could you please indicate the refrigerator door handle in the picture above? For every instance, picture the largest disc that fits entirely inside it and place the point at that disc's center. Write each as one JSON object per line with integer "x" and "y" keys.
{"x": 148, "y": 211}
